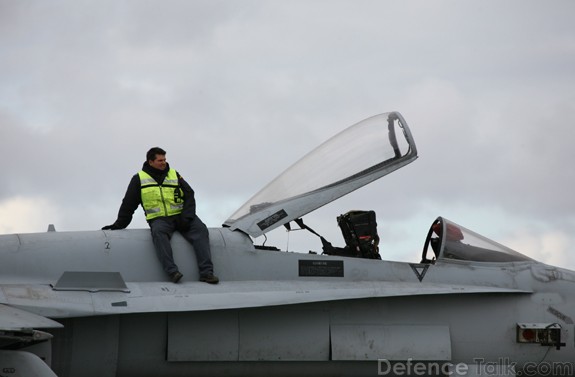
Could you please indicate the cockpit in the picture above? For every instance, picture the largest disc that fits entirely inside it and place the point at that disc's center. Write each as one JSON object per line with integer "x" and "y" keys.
{"x": 445, "y": 240}
{"x": 351, "y": 159}
{"x": 448, "y": 240}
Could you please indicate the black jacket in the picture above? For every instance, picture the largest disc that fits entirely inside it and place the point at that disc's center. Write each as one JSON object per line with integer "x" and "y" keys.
{"x": 133, "y": 197}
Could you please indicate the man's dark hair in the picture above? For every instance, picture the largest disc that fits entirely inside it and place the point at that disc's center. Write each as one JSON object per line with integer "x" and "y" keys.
{"x": 151, "y": 155}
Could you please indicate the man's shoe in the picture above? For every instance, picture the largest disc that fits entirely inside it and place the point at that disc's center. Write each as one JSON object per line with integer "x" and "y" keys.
{"x": 210, "y": 279}
{"x": 176, "y": 276}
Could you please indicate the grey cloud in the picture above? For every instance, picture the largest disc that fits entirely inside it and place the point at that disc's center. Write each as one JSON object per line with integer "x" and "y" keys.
{"x": 236, "y": 91}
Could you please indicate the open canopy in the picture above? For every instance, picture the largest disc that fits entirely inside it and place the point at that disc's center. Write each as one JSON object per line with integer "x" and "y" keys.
{"x": 351, "y": 159}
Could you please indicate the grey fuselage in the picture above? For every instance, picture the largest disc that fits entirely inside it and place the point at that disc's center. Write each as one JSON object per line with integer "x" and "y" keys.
{"x": 275, "y": 313}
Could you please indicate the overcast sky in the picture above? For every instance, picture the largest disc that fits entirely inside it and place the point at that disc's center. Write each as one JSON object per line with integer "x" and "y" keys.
{"x": 236, "y": 91}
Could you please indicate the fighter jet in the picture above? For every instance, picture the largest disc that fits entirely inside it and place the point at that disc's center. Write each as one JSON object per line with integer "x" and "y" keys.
{"x": 97, "y": 303}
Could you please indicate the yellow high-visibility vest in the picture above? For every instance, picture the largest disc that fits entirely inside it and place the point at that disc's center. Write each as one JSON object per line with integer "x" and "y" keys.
{"x": 161, "y": 200}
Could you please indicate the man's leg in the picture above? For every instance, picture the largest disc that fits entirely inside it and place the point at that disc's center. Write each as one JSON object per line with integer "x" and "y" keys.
{"x": 198, "y": 235}
{"x": 162, "y": 230}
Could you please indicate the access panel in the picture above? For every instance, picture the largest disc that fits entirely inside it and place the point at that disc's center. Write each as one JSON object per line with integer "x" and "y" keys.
{"x": 284, "y": 335}
{"x": 390, "y": 342}
{"x": 203, "y": 336}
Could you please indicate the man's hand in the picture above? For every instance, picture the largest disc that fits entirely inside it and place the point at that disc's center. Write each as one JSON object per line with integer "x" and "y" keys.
{"x": 184, "y": 224}
{"x": 111, "y": 227}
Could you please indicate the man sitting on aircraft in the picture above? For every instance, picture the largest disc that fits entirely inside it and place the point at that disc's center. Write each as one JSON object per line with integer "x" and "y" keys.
{"x": 169, "y": 205}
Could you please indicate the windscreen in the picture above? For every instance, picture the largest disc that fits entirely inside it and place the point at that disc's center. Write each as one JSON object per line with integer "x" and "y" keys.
{"x": 452, "y": 241}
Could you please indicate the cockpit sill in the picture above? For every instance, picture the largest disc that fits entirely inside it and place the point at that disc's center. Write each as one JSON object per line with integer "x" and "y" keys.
{"x": 449, "y": 242}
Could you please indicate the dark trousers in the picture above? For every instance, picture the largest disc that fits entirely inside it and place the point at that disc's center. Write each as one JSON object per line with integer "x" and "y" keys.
{"x": 197, "y": 234}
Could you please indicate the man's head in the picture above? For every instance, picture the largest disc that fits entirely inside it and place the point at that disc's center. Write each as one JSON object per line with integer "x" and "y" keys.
{"x": 156, "y": 158}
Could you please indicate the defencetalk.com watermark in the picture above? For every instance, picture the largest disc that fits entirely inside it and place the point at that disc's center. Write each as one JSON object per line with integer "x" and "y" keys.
{"x": 480, "y": 367}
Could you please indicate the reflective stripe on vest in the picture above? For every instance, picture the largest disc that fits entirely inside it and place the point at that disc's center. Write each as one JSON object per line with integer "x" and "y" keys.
{"x": 161, "y": 200}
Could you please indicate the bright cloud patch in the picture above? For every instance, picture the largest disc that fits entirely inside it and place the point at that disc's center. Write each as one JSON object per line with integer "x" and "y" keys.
{"x": 25, "y": 215}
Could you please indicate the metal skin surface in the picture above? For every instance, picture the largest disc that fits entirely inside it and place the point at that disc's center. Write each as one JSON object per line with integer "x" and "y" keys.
{"x": 97, "y": 303}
